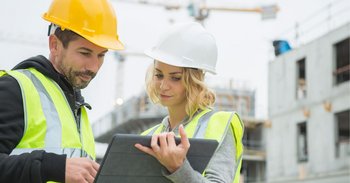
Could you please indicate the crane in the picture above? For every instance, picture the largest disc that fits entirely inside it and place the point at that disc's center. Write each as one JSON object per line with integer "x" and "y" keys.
{"x": 199, "y": 9}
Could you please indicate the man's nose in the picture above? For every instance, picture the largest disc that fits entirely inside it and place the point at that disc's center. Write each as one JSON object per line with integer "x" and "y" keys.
{"x": 93, "y": 64}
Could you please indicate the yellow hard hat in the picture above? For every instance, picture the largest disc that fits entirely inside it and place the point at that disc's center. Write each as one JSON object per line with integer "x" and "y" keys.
{"x": 94, "y": 20}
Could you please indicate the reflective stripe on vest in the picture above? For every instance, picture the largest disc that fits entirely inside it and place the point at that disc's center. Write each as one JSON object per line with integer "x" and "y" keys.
{"x": 213, "y": 125}
{"x": 49, "y": 122}
{"x": 2, "y": 72}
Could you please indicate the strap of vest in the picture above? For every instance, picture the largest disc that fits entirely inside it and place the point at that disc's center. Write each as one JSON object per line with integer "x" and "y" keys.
{"x": 2, "y": 72}
{"x": 152, "y": 130}
{"x": 65, "y": 113}
{"x": 228, "y": 120}
{"x": 53, "y": 138}
{"x": 238, "y": 130}
{"x": 196, "y": 126}
{"x": 202, "y": 125}
{"x": 67, "y": 119}
{"x": 70, "y": 152}
{"x": 219, "y": 124}
{"x": 88, "y": 141}
{"x": 32, "y": 113}
{"x": 238, "y": 171}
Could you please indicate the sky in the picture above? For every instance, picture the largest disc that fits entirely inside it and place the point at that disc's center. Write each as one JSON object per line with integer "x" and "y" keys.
{"x": 244, "y": 42}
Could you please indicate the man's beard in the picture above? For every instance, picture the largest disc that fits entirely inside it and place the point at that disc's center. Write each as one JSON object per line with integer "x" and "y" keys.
{"x": 73, "y": 78}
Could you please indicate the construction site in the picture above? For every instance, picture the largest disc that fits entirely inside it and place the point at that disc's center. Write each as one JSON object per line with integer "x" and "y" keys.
{"x": 296, "y": 113}
{"x": 275, "y": 150}
{"x": 309, "y": 112}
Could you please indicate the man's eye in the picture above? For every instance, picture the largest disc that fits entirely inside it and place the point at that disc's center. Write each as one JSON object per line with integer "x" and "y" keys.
{"x": 85, "y": 53}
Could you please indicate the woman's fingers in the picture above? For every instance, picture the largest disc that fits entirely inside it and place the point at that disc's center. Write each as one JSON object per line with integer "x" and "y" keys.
{"x": 184, "y": 140}
{"x": 163, "y": 140}
{"x": 145, "y": 149}
{"x": 171, "y": 140}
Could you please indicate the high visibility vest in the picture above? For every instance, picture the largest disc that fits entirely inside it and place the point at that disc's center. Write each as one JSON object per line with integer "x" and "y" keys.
{"x": 49, "y": 123}
{"x": 213, "y": 125}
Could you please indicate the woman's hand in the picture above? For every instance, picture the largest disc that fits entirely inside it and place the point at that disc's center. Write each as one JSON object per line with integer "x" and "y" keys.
{"x": 167, "y": 152}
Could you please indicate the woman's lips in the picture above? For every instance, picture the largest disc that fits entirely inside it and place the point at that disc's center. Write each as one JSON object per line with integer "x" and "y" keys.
{"x": 164, "y": 96}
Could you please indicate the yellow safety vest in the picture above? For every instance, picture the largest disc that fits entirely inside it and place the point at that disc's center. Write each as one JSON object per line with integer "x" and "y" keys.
{"x": 49, "y": 122}
{"x": 213, "y": 125}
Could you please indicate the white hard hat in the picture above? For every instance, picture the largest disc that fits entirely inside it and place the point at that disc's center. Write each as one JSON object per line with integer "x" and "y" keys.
{"x": 186, "y": 45}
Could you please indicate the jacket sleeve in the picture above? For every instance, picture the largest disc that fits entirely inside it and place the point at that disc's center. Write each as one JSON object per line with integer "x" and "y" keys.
{"x": 34, "y": 167}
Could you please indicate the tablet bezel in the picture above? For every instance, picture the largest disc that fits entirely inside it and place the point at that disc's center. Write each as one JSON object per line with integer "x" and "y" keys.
{"x": 121, "y": 149}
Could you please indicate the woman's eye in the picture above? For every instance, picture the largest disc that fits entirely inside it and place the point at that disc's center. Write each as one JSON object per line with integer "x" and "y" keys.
{"x": 159, "y": 76}
{"x": 176, "y": 78}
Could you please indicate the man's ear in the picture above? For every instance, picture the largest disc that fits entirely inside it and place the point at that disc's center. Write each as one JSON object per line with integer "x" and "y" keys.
{"x": 53, "y": 44}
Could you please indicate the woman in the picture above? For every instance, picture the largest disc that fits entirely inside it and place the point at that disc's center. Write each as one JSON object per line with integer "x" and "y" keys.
{"x": 176, "y": 80}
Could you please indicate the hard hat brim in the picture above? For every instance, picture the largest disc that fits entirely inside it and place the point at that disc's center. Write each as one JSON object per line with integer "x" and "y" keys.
{"x": 173, "y": 61}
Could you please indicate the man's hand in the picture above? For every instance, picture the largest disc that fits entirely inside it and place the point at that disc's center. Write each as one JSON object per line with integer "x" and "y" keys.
{"x": 81, "y": 170}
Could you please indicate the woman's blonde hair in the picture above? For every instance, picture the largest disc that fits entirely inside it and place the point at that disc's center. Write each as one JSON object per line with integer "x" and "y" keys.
{"x": 198, "y": 95}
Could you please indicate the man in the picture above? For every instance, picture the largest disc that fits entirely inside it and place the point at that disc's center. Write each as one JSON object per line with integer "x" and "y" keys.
{"x": 45, "y": 134}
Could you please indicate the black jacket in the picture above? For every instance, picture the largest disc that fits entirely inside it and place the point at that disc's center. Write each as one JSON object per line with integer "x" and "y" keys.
{"x": 37, "y": 166}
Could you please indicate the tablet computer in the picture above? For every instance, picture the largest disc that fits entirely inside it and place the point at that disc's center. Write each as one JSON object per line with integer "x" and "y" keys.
{"x": 124, "y": 163}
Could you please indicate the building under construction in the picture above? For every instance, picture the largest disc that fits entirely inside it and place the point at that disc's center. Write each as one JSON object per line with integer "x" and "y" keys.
{"x": 139, "y": 113}
{"x": 309, "y": 107}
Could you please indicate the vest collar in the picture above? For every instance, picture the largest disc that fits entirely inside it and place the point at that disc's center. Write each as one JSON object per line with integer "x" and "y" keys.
{"x": 184, "y": 122}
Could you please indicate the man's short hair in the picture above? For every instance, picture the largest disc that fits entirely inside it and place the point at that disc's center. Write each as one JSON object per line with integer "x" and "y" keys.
{"x": 65, "y": 36}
